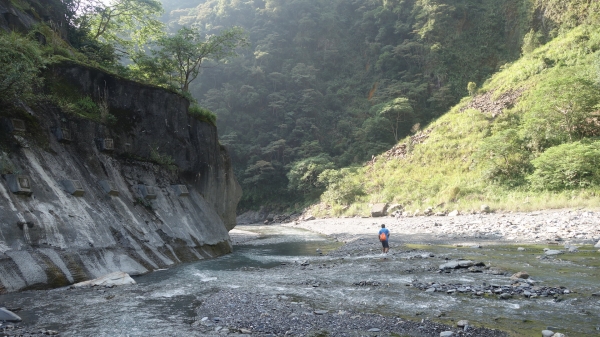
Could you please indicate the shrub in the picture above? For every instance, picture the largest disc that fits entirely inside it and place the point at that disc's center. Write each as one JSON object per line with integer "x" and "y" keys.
{"x": 503, "y": 158}
{"x": 567, "y": 166}
{"x": 343, "y": 186}
{"x": 20, "y": 65}
{"x": 202, "y": 114}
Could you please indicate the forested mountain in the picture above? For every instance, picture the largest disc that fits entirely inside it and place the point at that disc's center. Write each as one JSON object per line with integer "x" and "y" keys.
{"x": 327, "y": 84}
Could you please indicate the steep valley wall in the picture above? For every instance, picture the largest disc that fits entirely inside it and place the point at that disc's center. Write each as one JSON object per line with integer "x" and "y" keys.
{"x": 81, "y": 197}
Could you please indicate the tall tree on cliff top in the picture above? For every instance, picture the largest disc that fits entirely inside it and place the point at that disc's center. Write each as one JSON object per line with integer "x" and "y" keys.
{"x": 185, "y": 52}
{"x": 125, "y": 24}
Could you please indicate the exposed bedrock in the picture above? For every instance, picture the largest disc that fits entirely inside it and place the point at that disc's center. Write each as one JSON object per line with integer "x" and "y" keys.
{"x": 80, "y": 198}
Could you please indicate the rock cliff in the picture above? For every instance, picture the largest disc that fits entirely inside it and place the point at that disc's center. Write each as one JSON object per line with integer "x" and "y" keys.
{"x": 82, "y": 197}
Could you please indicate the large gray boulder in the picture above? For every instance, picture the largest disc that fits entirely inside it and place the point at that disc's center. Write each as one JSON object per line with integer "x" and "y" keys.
{"x": 379, "y": 210}
{"x": 111, "y": 280}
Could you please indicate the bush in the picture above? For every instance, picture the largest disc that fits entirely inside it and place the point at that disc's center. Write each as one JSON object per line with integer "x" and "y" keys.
{"x": 20, "y": 66}
{"x": 202, "y": 114}
{"x": 504, "y": 158}
{"x": 343, "y": 186}
{"x": 567, "y": 166}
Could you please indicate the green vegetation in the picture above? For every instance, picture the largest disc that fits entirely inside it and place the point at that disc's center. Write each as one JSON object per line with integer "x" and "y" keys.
{"x": 202, "y": 114}
{"x": 162, "y": 159}
{"x": 342, "y": 80}
{"x": 21, "y": 62}
{"x": 508, "y": 92}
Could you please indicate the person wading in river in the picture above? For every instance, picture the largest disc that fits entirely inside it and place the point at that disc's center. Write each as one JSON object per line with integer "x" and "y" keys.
{"x": 384, "y": 235}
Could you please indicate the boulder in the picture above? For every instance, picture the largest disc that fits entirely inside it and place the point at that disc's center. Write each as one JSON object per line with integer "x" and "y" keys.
{"x": 597, "y": 244}
{"x": 8, "y": 316}
{"x": 379, "y": 210}
{"x": 553, "y": 252}
{"x": 465, "y": 263}
{"x": 449, "y": 265}
{"x": 520, "y": 275}
{"x": 110, "y": 280}
{"x": 547, "y": 333}
{"x": 454, "y": 213}
{"x": 394, "y": 207}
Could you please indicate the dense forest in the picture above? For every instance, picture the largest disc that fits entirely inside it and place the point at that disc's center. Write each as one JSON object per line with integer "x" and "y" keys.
{"x": 475, "y": 98}
{"x": 330, "y": 83}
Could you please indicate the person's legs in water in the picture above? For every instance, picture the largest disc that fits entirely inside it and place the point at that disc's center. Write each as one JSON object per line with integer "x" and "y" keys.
{"x": 386, "y": 247}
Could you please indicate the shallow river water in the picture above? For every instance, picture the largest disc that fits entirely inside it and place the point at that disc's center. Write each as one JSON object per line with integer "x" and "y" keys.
{"x": 168, "y": 302}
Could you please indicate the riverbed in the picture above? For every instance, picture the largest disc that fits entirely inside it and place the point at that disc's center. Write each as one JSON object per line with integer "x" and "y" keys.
{"x": 286, "y": 280}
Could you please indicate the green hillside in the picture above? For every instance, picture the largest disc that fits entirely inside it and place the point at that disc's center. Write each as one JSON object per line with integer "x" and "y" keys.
{"x": 527, "y": 139}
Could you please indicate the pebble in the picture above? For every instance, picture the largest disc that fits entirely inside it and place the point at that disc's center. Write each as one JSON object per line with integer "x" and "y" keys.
{"x": 462, "y": 323}
{"x": 547, "y": 333}
{"x": 446, "y": 334}
{"x": 374, "y": 330}
{"x": 320, "y": 312}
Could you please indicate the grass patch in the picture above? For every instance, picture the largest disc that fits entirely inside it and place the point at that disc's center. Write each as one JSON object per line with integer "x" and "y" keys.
{"x": 202, "y": 114}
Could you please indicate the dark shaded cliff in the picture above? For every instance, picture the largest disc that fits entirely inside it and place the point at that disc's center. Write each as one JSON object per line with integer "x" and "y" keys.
{"x": 82, "y": 196}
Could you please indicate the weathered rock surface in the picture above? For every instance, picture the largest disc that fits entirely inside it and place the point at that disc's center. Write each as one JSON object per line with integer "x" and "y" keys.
{"x": 56, "y": 237}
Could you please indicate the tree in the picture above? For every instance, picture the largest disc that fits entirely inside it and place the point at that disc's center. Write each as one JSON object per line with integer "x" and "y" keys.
{"x": 397, "y": 113}
{"x": 125, "y": 24}
{"x": 187, "y": 50}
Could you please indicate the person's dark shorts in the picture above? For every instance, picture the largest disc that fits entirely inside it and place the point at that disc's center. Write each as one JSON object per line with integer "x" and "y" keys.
{"x": 385, "y": 244}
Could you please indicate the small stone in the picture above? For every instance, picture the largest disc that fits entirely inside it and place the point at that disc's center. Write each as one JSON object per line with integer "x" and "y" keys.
{"x": 462, "y": 323}
{"x": 547, "y": 333}
{"x": 374, "y": 330}
{"x": 485, "y": 208}
{"x": 558, "y": 334}
{"x": 430, "y": 290}
{"x": 573, "y": 249}
{"x": 520, "y": 275}
{"x": 320, "y": 312}
{"x": 553, "y": 252}
{"x": 597, "y": 244}
{"x": 245, "y": 331}
{"x": 521, "y": 249}
{"x": 446, "y": 334}
{"x": 505, "y": 296}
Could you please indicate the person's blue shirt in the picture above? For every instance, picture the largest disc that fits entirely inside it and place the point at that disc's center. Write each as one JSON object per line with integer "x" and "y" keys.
{"x": 386, "y": 231}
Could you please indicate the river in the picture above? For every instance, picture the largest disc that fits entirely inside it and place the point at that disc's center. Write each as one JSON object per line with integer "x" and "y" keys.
{"x": 309, "y": 270}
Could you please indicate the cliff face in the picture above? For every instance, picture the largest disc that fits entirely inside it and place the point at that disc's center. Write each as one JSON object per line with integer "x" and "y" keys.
{"x": 73, "y": 207}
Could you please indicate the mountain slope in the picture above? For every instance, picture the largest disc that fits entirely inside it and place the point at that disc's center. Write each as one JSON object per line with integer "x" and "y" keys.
{"x": 527, "y": 139}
